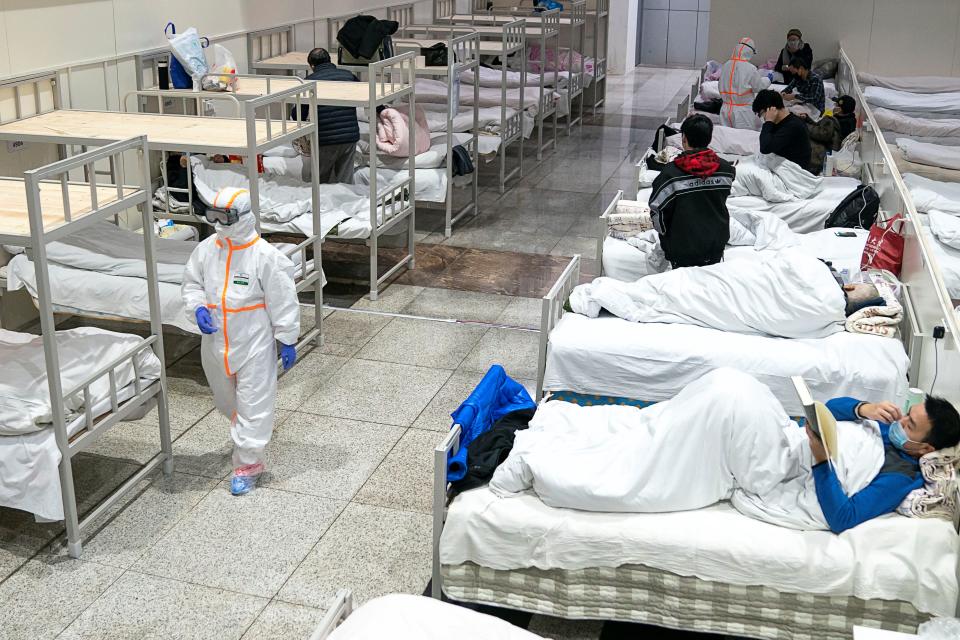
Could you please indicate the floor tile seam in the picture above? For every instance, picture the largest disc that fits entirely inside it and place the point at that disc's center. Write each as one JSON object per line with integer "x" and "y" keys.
{"x": 412, "y": 512}
{"x": 152, "y": 574}
{"x": 122, "y": 573}
{"x": 255, "y": 618}
{"x": 365, "y": 422}
{"x": 296, "y": 409}
{"x": 379, "y": 464}
{"x": 482, "y": 323}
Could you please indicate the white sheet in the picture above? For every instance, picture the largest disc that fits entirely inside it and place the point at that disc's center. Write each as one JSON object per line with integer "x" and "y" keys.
{"x": 723, "y": 437}
{"x": 490, "y": 77}
{"x": 710, "y": 89}
{"x": 935, "y": 155}
{"x": 942, "y": 103}
{"x": 100, "y": 294}
{"x": 891, "y": 557}
{"x": 803, "y": 216}
{"x": 931, "y": 195}
{"x": 943, "y": 235}
{"x": 652, "y": 362}
{"x": 786, "y": 294}
{"x": 435, "y": 91}
{"x": 775, "y": 179}
{"x": 912, "y": 126}
{"x": 913, "y": 84}
{"x": 945, "y": 228}
{"x": 406, "y": 617}
{"x": 726, "y": 140}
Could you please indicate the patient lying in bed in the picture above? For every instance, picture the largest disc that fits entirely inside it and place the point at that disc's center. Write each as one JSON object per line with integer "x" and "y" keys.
{"x": 726, "y": 437}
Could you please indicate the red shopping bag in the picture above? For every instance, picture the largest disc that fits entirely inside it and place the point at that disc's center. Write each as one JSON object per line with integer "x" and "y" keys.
{"x": 884, "y": 248}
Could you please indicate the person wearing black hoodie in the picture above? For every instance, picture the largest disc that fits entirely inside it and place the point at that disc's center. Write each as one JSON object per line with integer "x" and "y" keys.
{"x": 688, "y": 204}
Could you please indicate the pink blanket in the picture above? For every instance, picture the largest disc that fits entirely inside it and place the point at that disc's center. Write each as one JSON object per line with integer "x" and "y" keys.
{"x": 533, "y": 56}
{"x": 393, "y": 133}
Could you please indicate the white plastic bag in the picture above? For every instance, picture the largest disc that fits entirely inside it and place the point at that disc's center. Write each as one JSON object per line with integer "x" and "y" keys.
{"x": 223, "y": 63}
{"x": 940, "y": 629}
{"x": 188, "y": 50}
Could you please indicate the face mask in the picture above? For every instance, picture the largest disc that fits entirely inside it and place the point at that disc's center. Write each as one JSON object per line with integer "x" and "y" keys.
{"x": 898, "y": 437}
{"x": 793, "y": 45}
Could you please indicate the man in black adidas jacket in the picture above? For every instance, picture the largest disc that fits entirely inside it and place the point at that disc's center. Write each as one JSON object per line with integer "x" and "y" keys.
{"x": 337, "y": 128}
{"x": 689, "y": 200}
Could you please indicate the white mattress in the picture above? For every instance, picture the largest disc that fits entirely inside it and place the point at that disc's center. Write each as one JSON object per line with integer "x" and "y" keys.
{"x": 922, "y": 127}
{"x": 652, "y": 362}
{"x": 913, "y": 84}
{"x": 891, "y": 557}
{"x": 710, "y": 89}
{"x": 91, "y": 293}
{"x": 935, "y": 155}
{"x": 928, "y": 103}
{"x": 928, "y": 194}
{"x": 407, "y": 617}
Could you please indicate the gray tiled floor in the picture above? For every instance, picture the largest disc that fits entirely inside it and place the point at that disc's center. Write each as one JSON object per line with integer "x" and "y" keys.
{"x": 346, "y": 499}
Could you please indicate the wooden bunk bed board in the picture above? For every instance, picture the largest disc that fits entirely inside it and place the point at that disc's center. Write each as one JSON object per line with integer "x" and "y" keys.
{"x": 486, "y": 47}
{"x": 258, "y": 86}
{"x": 290, "y": 59}
{"x": 468, "y": 19}
{"x": 356, "y": 92}
{"x": 14, "y": 218}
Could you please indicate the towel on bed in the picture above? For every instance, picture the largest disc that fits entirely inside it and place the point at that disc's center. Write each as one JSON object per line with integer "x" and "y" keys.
{"x": 937, "y": 498}
{"x": 774, "y": 179}
{"x": 630, "y": 219}
{"x": 393, "y": 132}
{"x": 787, "y": 294}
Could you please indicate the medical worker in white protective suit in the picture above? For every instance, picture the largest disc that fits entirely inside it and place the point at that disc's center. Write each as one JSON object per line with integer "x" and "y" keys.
{"x": 240, "y": 291}
{"x": 739, "y": 82}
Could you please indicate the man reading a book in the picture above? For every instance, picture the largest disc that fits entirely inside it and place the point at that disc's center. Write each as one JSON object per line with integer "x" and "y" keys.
{"x": 928, "y": 426}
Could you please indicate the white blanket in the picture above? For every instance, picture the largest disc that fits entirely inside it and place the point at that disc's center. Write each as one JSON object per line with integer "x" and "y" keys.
{"x": 490, "y": 77}
{"x": 406, "y": 617}
{"x": 945, "y": 228}
{"x": 774, "y": 179}
{"x": 723, "y": 437}
{"x": 803, "y": 216}
{"x": 935, "y": 155}
{"x": 929, "y": 195}
{"x": 710, "y": 89}
{"x": 942, "y": 103}
{"x": 106, "y": 248}
{"x": 609, "y": 356}
{"x": 435, "y": 91}
{"x": 913, "y": 84}
{"x": 24, "y": 397}
{"x": 788, "y": 294}
{"x": 726, "y": 140}
{"x": 919, "y": 127}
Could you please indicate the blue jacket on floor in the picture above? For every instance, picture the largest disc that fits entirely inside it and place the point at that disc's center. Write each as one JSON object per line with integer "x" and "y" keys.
{"x": 494, "y": 397}
{"x": 899, "y": 475}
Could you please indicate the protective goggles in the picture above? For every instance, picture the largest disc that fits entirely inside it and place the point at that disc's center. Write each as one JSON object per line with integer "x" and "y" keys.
{"x": 225, "y": 217}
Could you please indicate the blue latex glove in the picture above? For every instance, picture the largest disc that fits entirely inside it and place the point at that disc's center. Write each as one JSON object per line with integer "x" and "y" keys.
{"x": 288, "y": 355}
{"x": 205, "y": 320}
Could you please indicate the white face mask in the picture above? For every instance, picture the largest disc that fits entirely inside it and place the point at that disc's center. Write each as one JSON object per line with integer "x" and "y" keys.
{"x": 793, "y": 45}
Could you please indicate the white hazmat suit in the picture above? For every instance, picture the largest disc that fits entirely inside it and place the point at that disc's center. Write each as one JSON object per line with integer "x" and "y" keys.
{"x": 739, "y": 82}
{"x": 248, "y": 286}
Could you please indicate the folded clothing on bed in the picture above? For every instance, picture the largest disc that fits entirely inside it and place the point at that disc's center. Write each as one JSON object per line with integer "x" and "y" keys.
{"x": 883, "y": 320}
{"x": 723, "y": 437}
{"x": 937, "y": 498}
{"x": 788, "y": 294}
{"x": 394, "y": 134}
{"x": 25, "y": 404}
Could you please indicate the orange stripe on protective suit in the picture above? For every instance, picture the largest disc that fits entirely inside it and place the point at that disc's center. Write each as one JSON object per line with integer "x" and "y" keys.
{"x": 223, "y": 299}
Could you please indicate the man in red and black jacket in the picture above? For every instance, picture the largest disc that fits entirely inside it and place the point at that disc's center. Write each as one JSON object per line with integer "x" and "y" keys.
{"x": 689, "y": 200}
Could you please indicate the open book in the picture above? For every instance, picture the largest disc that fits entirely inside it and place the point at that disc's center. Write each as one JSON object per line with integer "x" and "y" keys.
{"x": 821, "y": 421}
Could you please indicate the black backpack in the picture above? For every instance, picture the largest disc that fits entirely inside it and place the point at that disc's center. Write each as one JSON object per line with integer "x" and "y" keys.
{"x": 857, "y": 211}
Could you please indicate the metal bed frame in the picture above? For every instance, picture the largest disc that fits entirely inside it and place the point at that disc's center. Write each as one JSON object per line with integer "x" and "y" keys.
{"x": 512, "y": 40}
{"x": 36, "y": 242}
{"x": 462, "y": 55}
{"x": 269, "y": 43}
{"x": 337, "y": 612}
{"x": 277, "y": 133}
{"x": 600, "y": 15}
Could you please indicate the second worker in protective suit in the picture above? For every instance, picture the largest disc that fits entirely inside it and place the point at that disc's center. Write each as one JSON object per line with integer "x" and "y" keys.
{"x": 739, "y": 82}
{"x": 240, "y": 291}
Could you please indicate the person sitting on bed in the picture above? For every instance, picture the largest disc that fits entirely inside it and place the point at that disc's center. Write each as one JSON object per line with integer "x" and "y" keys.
{"x": 795, "y": 47}
{"x": 805, "y": 92}
{"x": 845, "y": 113}
{"x": 688, "y": 204}
{"x": 337, "y": 128}
{"x": 782, "y": 133}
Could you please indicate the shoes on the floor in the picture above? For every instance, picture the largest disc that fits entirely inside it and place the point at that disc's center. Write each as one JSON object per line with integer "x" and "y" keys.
{"x": 245, "y": 479}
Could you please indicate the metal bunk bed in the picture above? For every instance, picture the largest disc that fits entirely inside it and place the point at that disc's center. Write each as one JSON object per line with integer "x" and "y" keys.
{"x": 46, "y": 206}
{"x": 462, "y": 55}
{"x": 245, "y": 137}
{"x": 512, "y": 40}
{"x": 573, "y": 19}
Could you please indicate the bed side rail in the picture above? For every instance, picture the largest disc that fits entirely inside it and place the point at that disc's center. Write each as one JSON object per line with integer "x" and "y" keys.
{"x": 149, "y": 62}
{"x": 122, "y": 197}
{"x": 549, "y": 22}
{"x": 577, "y": 12}
{"x": 551, "y": 311}
{"x": 466, "y": 51}
{"x": 272, "y": 82}
{"x": 29, "y": 96}
{"x": 337, "y": 612}
{"x": 444, "y": 8}
{"x": 602, "y": 226}
{"x": 270, "y": 43}
{"x": 449, "y": 446}
{"x": 402, "y": 13}
{"x": 185, "y": 96}
{"x": 290, "y": 103}
{"x": 334, "y": 24}
{"x": 683, "y": 108}
{"x": 394, "y": 77}
{"x": 514, "y": 36}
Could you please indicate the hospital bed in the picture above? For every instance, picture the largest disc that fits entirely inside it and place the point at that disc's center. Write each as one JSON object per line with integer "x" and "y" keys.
{"x": 91, "y": 379}
{"x": 597, "y": 12}
{"x": 711, "y": 570}
{"x": 513, "y": 103}
{"x": 245, "y": 137}
{"x": 463, "y": 56}
{"x": 933, "y": 324}
{"x": 409, "y": 617}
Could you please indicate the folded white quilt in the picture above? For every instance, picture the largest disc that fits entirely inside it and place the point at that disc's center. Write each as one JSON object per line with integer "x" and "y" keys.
{"x": 726, "y": 140}
{"x": 945, "y": 228}
{"x": 933, "y": 103}
{"x": 494, "y": 78}
{"x": 934, "y": 155}
{"x": 435, "y": 91}
{"x": 723, "y": 437}
{"x": 774, "y": 179}
{"x": 919, "y": 127}
{"x": 24, "y": 396}
{"x": 929, "y": 195}
{"x": 912, "y": 84}
{"x": 787, "y": 294}
{"x": 106, "y": 248}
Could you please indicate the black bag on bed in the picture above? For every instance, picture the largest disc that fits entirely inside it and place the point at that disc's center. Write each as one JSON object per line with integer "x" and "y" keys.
{"x": 857, "y": 211}
{"x": 435, "y": 56}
